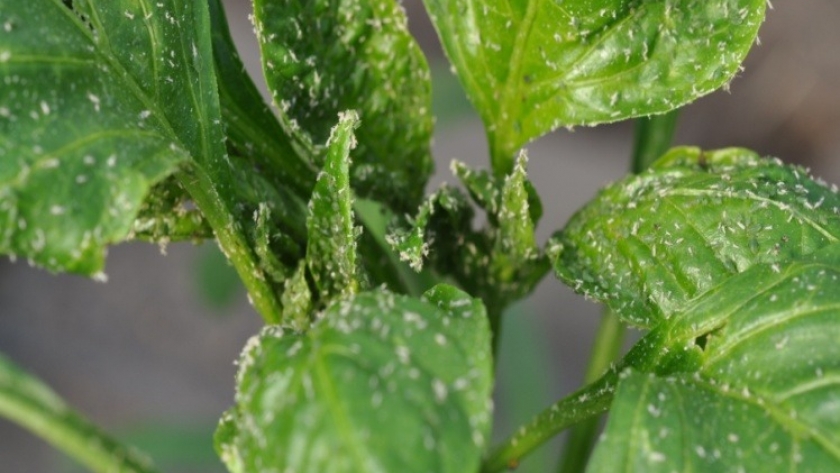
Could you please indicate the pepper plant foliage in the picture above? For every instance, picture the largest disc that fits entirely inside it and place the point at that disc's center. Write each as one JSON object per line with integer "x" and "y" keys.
{"x": 134, "y": 119}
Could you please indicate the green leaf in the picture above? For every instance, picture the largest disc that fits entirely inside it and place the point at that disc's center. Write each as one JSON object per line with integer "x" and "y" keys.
{"x": 253, "y": 131}
{"x": 499, "y": 263}
{"x": 410, "y": 243}
{"x": 515, "y": 248}
{"x": 81, "y": 142}
{"x": 442, "y": 231}
{"x": 686, "y": 423}
{"x": 30, "y": 403}
{"x": 649, "y": 244}
{"x": 380, "y": 263}
{"x": 297, "y": 301}
{"x": 532, "y": 66}
{"x": 483, "y": 187}
{"x": 323, "y": 57}
{"x": 331, "y": 247}
{"x": 165, "y": 216}
{"x": 105, "y": 100}
{"x": 381, "y": 382}
{"x": 764, "y": 395}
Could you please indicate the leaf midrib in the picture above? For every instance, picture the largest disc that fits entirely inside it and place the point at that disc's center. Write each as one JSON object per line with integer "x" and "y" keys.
{"x": 339, "y": 415}
{"x": 508, "y": 104}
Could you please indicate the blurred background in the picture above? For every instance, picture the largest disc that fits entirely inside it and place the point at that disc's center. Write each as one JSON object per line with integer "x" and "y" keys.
{"x": 149, "y": 355}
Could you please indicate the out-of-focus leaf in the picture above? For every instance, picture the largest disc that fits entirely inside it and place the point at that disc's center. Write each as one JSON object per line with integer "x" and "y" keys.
{"x": 215, "y": 281}
{"x": 532, "y": 66}
{"x": 165, "y": 216}
{"x": 380, "y": 383}
{"x": 649, "y": 244}
{"x": 30, "y": 403}
{"x": 322, "y": 57}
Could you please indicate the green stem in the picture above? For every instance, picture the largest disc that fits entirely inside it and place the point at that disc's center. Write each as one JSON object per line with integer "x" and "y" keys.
{"x": 588, "y": 402}
{"x": 494, "y": 315}
{"x": 607, "y": 347}
{"x": 204, "y": 192}
{"x": 653, "y": 137}
{"x": 31, "y": 404}
{"x": 583, "y": 404}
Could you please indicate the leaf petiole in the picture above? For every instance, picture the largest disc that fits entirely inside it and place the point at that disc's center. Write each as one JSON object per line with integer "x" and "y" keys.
{"x": 589, "y": 401}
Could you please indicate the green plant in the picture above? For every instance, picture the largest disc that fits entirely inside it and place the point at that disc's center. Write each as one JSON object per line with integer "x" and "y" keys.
{"x": 134, "y": 119}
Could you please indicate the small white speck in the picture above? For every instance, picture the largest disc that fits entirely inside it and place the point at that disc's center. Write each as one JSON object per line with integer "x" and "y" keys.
{"x": 403, "y": 353}
{"x": 440, "y": 390}
{"x": 656, "y": 457}
{"x": 94, "y": 100}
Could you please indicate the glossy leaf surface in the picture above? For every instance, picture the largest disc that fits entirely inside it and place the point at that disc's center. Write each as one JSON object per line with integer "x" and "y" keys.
{"x": 327, "y": 56}
{"x": 83, "y": 132}
{"x": 650, "y": 243}
{"x": 676, "y": 424}
{"x": 765, "y": 395}
{"x": 381, "y": 383}
{"x": 109, "y": 98}
{"x": 531, "y": 66}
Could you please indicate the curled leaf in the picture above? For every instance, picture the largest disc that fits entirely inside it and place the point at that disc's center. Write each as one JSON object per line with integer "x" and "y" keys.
{"x": 332, "y": 233}
{"x": 322, "y": 57}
